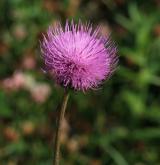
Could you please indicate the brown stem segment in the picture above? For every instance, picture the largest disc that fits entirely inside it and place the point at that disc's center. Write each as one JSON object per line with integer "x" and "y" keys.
{"x": 59, "y": 126}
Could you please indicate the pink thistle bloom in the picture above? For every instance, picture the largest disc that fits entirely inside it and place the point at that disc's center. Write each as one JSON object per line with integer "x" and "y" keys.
{"x": 78, "y": 56}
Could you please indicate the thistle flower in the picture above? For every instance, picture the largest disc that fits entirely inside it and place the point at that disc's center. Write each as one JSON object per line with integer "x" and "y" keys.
{"x": 78, "y": 56}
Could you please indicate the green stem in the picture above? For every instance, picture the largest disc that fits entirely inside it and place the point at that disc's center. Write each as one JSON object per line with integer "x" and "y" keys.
{"x": 59, "y": 127}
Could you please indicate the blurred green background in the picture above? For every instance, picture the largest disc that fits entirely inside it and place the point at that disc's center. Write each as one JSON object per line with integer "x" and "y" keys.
{"x": 116, "y": 125}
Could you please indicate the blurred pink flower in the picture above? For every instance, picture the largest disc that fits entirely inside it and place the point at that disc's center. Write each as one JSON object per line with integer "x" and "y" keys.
{"x": 15, "y": 82}
{"x": 40, "y": 92}
{"x": 19, "y": 80}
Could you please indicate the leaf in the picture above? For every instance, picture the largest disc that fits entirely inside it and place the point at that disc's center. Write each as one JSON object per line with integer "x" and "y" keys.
{"x": 135, "y": 102}
{"x": 5, "y": 110}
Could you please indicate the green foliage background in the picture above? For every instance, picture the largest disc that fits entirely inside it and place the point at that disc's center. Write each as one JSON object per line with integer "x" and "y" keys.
{"x": 116, "y": 125}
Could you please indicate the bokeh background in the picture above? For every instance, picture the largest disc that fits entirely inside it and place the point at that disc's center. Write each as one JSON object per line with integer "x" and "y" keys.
{"x": 116, "y": 125}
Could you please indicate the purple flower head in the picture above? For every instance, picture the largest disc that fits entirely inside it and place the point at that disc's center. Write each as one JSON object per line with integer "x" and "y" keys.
{"x": 78, "y": 56}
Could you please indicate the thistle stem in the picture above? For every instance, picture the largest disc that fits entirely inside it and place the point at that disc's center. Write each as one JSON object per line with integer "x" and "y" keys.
{"x": 59, "y": 127}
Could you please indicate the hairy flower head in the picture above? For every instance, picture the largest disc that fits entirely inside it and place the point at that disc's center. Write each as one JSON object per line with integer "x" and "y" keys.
{"x": 78, "y": 56}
